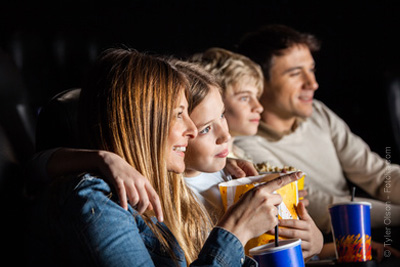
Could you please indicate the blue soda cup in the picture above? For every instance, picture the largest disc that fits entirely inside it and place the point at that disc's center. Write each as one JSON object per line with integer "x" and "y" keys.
{"x": 351, "y": 229}
{"x": 288, "y": 253}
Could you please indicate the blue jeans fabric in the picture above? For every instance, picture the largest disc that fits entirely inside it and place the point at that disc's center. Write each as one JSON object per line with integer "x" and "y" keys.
{"x": 89, "y": 228}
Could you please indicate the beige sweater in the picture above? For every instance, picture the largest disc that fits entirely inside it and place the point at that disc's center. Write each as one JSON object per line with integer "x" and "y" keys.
{"x": 324, "y": 147}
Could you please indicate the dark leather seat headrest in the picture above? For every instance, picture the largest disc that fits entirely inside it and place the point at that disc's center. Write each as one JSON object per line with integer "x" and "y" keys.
{"x": 58, "y": 121}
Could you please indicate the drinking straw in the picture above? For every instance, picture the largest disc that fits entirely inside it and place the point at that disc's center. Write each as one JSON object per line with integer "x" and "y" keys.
{"x": 353, "y": 192}
{"x": 276, "y": 236}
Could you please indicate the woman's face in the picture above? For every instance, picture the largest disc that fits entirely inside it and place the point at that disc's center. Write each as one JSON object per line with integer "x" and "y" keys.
{"x": 208, "y": 151}
{"x": 182, "y": 129}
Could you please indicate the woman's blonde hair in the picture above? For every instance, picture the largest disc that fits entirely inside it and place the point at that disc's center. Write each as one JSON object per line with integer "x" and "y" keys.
{"x": 231, "y": 69}
{"x": 126, "y": 108}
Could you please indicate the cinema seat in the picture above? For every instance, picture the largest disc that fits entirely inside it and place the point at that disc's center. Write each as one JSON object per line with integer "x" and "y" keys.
{"x": 57, "y": 121}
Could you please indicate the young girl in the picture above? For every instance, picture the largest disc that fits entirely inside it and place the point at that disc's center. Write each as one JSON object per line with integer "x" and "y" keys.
{"x": 135, "y": 107}
{"x": 206, "y": 157}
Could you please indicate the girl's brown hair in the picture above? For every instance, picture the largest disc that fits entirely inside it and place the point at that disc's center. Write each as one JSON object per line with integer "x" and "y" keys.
{"x": 200, "y": 81}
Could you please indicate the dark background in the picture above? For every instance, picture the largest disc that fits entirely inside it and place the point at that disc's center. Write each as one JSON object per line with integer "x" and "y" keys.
{"x": 54, "y": 42}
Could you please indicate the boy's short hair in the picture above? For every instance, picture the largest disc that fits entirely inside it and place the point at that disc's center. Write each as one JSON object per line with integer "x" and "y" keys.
{"x": 231, "y": 69}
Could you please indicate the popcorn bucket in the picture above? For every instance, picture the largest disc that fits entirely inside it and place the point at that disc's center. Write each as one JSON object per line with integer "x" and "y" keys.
{"x": 300, "y": 185}
{"x": 265, "y": 167}
{"x": 232, "y": 190}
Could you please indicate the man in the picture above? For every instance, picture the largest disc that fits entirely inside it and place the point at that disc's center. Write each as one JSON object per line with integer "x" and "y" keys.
{"x": 299, "y": 131}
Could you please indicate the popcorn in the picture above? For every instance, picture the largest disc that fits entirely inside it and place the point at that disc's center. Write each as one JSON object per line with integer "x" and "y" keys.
{"x": 266, "y": 167}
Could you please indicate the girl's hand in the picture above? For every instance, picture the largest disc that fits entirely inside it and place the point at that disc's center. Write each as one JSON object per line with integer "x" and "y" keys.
{"x": 256, "y": 211}
{"x": 240, "y": 168}
{"x": 305, "y": 229}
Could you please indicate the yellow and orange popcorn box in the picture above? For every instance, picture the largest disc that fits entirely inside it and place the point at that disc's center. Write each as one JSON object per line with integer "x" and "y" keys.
{"x": 300, "y": 185}
{"x": 232, "y": 190}
{"x": 265, "y": 167}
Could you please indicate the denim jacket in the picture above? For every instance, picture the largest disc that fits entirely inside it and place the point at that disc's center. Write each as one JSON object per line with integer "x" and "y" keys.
{"x": 90, "y": 228}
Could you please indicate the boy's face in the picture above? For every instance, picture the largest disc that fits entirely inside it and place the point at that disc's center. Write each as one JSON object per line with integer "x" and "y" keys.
{"x": 208, "y": 151}
{"x": 242, "y": 109}
{"x": 290, "y": 90}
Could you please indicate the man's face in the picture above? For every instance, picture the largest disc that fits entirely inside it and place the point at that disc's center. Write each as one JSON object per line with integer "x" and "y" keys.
{"x": 290, "y": 90}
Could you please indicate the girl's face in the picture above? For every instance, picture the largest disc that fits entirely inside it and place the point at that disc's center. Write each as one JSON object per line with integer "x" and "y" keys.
{"x": 208, "y": 151}
{"x": 242, "y": 109}
{"x": 182, "y": 129}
